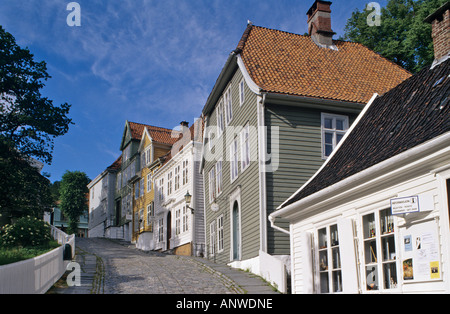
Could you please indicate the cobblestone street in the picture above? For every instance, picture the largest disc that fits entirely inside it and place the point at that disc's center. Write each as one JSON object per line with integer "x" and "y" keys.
{"x": 121, "y": 269}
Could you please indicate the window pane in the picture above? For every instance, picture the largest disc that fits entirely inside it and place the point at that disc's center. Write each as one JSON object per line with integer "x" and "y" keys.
{"x": 328, "y": 123}
{"x": 337, "y": 281}
{"x": 372, "y": 277}
{"x": 339, "y": 137}
{"x": 328, "y": 149}
{"x": 329, "y": 138}
{"x": 339, "y": 124}
{"x": 324, "y": 282}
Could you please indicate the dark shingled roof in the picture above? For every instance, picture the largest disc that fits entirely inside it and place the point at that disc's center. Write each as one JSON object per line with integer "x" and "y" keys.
{"x": 414, "y": 112}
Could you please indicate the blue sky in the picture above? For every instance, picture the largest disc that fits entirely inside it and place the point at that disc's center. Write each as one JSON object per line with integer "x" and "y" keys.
{"x": 152, "y": 62}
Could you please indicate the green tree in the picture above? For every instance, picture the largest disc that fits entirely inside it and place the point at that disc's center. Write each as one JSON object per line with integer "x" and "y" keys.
{"x": 29, "y": 122}
{"x": 403, "y": 37}
{"x": 73, "y": 194}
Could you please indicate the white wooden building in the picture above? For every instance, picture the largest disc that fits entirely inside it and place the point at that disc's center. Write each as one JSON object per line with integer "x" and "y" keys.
{"x": 178, "y": 226}
{"x": 375, "y": 217}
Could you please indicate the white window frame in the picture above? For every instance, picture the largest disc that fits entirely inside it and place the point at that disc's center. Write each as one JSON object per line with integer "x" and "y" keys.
{"x": 219, "y": 176}
{"x": 150, "y": 213}
{"x": 161, "y": 230}
{"x": 220, "y": 231}
{"x": 219, "y": 118}
{"x": 328, "y": 250}
{"x": 185, "y": 214}
{"x": 185, "y": 171}
{"x": 177, "y": 177}
{"x": 245, "y": 147}
{"x": 333, "y": 130}
{"x": 228, "y": 102}
{"x": 241, "y": 92}
{"x": 212, "y": 237}
{"x": 234, "y": 159}
{"x": 212, "y": 184}
{"x": 169, "y": 183}
{"x": 374, "y": 256}
{"x": 177, "y": 221}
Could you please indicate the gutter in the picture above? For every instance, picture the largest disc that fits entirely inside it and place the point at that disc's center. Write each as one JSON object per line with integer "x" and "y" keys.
{"x": 387, "y": 165}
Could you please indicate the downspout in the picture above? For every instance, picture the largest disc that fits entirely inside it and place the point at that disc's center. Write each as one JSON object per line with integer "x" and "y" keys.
{"x": 272, "y": 224}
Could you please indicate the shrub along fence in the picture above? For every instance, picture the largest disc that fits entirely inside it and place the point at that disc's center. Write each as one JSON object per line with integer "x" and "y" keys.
{"x": 37, "y": 275}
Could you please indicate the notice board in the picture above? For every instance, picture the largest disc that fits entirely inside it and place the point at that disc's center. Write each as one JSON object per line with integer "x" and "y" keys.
{"x": 420, "y": 252}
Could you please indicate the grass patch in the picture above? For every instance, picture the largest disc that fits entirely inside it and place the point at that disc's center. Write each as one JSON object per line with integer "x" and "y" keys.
{"x": 17, "y": 254}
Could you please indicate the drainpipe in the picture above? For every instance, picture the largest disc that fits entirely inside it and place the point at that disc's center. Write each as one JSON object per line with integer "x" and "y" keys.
{"x": 272, "y": 224}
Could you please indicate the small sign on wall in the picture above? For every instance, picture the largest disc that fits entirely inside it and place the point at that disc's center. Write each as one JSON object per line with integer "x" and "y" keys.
{"x": 405, "y": 205}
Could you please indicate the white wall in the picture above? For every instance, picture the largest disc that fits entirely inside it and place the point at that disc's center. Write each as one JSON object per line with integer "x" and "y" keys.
{"x": 429, "y": 186}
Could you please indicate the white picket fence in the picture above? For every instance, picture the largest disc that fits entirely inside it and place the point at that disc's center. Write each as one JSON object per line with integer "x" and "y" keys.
{"x": 36, "y": 275}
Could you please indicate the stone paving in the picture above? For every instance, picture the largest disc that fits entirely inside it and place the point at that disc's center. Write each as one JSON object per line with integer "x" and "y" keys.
{"x": 114, "y": 267}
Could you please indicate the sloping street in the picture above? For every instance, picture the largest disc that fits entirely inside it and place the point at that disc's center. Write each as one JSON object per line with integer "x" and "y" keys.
{"x": 113, "y": 267}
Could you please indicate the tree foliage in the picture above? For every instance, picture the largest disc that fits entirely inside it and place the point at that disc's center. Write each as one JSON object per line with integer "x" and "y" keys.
{"x": 73, "y": 193}
{"x": 29, "y": 122}
{"x": 403, "y": 37}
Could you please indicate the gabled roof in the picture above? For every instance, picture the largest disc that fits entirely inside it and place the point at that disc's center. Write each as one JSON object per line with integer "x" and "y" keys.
{"x": 158, "y": 134}
{"x": 416, "y": 111}
{"x": 287, "y": 63}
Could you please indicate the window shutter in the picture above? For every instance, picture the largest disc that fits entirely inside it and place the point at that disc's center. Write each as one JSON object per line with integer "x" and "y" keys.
{"x": 350, "y": 280}
{"x": 307, "y": 263}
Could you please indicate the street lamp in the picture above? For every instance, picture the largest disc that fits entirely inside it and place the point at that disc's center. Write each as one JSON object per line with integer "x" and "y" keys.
{"x": 187, "y": 199}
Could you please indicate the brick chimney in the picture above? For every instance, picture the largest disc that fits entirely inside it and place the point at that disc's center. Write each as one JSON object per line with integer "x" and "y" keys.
{"x": 440, "y": 25}
{"x": 319, "y": 23}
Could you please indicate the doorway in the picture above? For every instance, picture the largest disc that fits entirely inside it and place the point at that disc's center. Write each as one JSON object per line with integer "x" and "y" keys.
{"x": 236, "y": 232}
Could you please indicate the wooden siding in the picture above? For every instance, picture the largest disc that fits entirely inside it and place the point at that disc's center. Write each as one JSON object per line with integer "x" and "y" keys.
{"x": 247, "y": 180}
{"x": 299, "y": 158}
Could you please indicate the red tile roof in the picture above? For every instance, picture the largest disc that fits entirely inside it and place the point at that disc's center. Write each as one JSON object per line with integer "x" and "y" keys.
{"x": 287, "y": 63}
{"x": 158, "y": 134}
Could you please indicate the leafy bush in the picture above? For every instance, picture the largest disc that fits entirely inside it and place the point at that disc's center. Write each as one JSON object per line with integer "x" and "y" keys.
{"x": 25, "y": 232}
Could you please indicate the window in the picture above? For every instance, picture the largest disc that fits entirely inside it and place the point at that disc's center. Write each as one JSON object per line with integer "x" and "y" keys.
{"x": 241, "y": 92}
{"x": 147, "y": 156}
{"x": 333, "y": 130}
{"x": 119, "y": 181}
{"x": 228, "y": 105}
{"x": 185, "y": 172}
{"x": 220, "y": 126}
{"x": 161, "y": 230}
{"x": 177, "y": 222}
{"x": 218, "y": 177}
{"x": 177, "y": 177}
{"x": 185, "y": 219}
{"x": 234, "y": 159}
{"x": 380, "y": 254}
{"x": 212, "y": 237}
{"x": 212, "y": 185}
{"x": 149, "y": 182}
{"x": 161, "y": 190}
{"x": 245, "y": 148}
{"x": 329, "y": 272}
{"x": 220, "y": 234}
{"x": 150, "y": 213}
{"x": 169, "y": 183}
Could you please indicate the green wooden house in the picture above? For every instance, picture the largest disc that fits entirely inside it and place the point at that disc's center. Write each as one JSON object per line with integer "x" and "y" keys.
{"x": 280, "y": 105}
